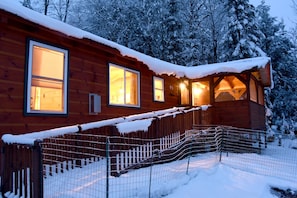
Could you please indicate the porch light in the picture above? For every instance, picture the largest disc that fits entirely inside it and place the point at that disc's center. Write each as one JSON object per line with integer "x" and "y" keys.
{"x": 197, "y": 90}
{"x": 182, "y": 86}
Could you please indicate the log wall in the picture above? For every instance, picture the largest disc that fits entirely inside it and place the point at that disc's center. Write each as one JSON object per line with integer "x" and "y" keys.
{"x": 88, "y": 73}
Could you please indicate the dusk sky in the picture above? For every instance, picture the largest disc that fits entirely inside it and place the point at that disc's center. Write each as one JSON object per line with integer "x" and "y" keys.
{"x": 281, "y": 9}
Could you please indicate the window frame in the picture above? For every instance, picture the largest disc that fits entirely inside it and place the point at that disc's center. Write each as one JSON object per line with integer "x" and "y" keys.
{"x": 28, "y": 79}
{"x": 207, "y": 92}
{"x": 220, "y": 79}
{"x": 184, "y": 92}
{"x": 261, "y": 95}
{"x": 138, "y": 87}
{"x": 157, "y": 89}
{"x": 253, "y": 95}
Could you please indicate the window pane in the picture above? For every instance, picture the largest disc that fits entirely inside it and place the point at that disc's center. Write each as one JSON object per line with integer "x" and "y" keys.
{"x": 200, "y": 93}
{"x": 46, "y": 99}
{"x": 158, "y": 89}
{"x": 47, "y": 63}
{"x": 159, "y": 95}
{"x": 230, "y": 88}
{"x": 116, "y": 85}
{"x": 260, "y": 95}
{"x": 158, "y": 83}
{"x": 253, "y": 90}
{"x": 131, "y": 88}
{"x": 184, "y": 91}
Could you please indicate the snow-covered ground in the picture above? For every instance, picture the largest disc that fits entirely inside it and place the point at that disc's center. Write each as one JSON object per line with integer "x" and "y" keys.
{"x": 226, "y": 182}
{"x": 252, "y": 177}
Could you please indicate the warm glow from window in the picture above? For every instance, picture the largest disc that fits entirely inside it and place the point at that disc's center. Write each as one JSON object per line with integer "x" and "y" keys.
{"x": 47, "y": 63}
{"x": 158, "y": 89}
{"x": 253, "y": 90}
{"x": 197, "y": 91}
{"x": 260, "y": 95}
{"x": 182, "y": 86}
{"x": 200, "y": 93}
{"x": 46, "y": 99}
{"x": 47, "y": 81}
{"x": 230, "y": 88}
{"x": 184, "y": 92}
{"x": 123, "y": 86}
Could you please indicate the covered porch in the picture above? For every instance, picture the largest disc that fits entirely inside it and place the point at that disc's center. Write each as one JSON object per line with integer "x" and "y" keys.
{"x": 234, "y": 99}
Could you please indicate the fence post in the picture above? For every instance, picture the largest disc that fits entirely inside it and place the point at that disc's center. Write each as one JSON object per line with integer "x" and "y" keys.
{"x": 78, "y": 150}
{"x": 190, "y": 154}
{"x": 3, "y": 176}
{"x": 37, "y": 170}
{"x": 155, "y": 154}
{"x": 259, "y": 136}
{"x": 107, "y": 167}
{"x": 222, "y": 143}
{"x": 265, "y": 136}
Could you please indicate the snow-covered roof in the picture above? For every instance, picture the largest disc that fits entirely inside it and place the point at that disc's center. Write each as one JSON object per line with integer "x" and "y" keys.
{"x": 156, "y": 65}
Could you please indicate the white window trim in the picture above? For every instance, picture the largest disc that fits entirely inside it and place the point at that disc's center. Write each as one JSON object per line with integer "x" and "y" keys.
{"x": 138, "y": 87}
{"x": 29, "y": 79}
{"x": 157, "y": 78}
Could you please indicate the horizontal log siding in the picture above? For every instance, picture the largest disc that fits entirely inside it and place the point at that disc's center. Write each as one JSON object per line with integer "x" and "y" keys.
{"x": 88, "y": 71}
{"x": 232, "y": 113}
{"x": 257, "y": 116}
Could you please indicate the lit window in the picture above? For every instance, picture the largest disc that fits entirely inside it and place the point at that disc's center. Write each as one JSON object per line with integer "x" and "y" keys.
{"x": 123, "y": 86}
{"x": 253, "y": 90}
{"x": 230, "y": 88}
{"x": 260, "y": 95}
{"x": 158, "y": 89}
{"x": 184, "y": 92}
{"x": 200, "y": 93}
{"x": 47, "y": 79}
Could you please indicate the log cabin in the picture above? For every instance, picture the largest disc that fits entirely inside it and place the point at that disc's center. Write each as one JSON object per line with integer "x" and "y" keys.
{"x": 53, "y": 75}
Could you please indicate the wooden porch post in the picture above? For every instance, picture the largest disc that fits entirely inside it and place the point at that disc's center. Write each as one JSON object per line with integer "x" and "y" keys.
{"x": 4, "y": 176}
{"x": 37, "y": 170}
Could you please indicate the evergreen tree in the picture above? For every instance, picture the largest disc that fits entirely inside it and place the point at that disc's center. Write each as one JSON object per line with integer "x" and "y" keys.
{"x": 172, "y": 37}
{"x": 242, "y": 38}
{"x": 192, "y": 16}
{"x": 213, "y": 26}
{"x": 281, "y": 100}
{"x": 152, "y": 14}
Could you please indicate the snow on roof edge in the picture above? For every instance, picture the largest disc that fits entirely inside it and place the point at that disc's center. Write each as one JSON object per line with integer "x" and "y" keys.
{"x": 153, "y": 63}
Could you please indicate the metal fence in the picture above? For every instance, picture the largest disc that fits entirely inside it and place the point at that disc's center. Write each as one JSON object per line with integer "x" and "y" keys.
{"x": 90, "y": 165}
{"x": 114, "y": 166}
